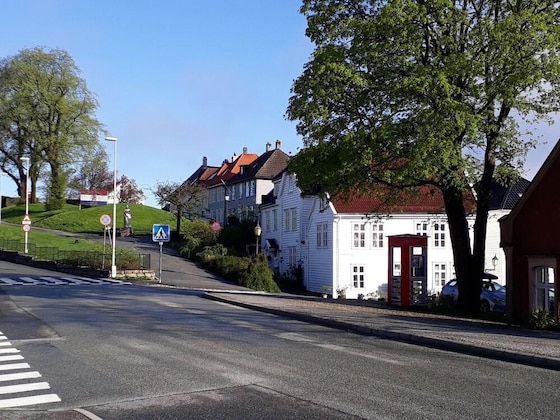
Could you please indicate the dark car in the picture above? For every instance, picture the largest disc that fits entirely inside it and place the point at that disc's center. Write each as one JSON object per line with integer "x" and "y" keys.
{"x": 492, "y": 295}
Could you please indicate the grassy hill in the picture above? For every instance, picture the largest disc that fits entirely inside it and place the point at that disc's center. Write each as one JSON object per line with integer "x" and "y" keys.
{"x": 73, "y": 219}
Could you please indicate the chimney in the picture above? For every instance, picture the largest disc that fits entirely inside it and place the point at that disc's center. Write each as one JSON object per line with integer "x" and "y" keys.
{"x": 278, "y": 144}
{"x": 204, "y": 162}
{"x": 268, "y": 145}
{"x": 245, "y": 150}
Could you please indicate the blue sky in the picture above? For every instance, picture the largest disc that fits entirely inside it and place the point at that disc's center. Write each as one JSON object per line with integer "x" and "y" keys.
{"x": 177, "y": 80}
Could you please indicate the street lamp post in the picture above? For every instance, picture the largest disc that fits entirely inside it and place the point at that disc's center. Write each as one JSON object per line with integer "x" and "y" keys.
{"x": 26, "y": 166}
{"x": 257, "y": 231}
{"x": 114, "y": 243}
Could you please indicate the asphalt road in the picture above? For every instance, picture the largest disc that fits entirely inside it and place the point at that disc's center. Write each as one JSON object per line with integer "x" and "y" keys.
{"x": 134, "y": 352}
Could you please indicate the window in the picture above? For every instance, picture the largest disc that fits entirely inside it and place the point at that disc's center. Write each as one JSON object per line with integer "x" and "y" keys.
{"x": 440, "y": 274}
{"x": 544, "y": 288}
{"x": 290, "y": 219}
{"x": 358, "y": 276}
{"x": 421, "y": 228}
{"x": 267, "y": 221}
{"x": 322, "y": 235}
{"x": 240, "y": 190}
{"x": 439, "y": 235}
{"x": 274, "y": 220}
{"x": 252, "y": 188}
{"x": 292, "y": 259}
{"x": 232, "y": 189}
{"x": 358, "y": 235}
{"x": 377, "y": 235}
{"x": 247, "y": 189}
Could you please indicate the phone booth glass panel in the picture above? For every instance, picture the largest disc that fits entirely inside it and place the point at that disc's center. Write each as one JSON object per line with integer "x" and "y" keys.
{"x": 407, "y": 277}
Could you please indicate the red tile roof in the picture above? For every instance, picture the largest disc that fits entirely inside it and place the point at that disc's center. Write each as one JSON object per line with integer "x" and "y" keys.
{"x": 427, "y": 200}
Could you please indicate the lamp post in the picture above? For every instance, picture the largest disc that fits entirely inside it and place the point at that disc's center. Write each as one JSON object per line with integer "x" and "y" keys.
{"x": 257, "y": 231}
{"x": 495, "y": 261}
{"x": 26, "y": 166}
{"x": 114, "y": 243}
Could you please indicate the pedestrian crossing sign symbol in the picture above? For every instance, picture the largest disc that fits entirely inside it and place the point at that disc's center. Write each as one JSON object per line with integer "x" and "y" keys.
{"x": 160, "y": 233}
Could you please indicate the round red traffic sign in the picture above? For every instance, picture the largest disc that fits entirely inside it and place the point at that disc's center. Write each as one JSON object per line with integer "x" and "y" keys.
{"x": 105, "y": 219}
{"x": 26, "y": 228}
{"x": 215, "y": 226}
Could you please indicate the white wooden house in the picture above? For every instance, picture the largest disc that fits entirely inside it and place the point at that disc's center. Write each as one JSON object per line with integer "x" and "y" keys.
{"x": 343, "y": 245}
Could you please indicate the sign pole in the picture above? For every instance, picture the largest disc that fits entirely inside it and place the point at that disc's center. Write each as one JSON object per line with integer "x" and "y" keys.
{"x": 160, "y": 253}
{"x": 161, "y": 234}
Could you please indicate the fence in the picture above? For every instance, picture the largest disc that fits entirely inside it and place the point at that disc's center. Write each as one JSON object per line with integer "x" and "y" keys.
{"x": 96, "y": 260}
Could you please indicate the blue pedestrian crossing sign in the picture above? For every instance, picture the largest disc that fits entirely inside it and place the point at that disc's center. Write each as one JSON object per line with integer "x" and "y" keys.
{"x": 160, "y": 233}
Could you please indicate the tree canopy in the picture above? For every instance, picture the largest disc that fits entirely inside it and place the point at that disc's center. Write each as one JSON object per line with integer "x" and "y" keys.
{"x": 406, "y": 93}
{"x": 47, "y": 114}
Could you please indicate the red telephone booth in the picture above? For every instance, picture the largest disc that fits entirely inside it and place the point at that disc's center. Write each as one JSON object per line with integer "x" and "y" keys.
{"x": 407, "y": 276}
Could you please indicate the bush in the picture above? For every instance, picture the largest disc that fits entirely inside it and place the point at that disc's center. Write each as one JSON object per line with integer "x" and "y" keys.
{"x": 209, "y": 252}
{"x": 259, "y": 276}
{"x": 444, "y": 304}
{"x": 541, "y": 320}
{"x": 253, "y": 273}
{"x": 195, "y": 236}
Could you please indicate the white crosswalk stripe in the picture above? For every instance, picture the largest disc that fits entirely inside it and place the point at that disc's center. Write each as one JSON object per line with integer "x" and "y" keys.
{"x": 58, "y": 281}
{"x": 17, "y": 388}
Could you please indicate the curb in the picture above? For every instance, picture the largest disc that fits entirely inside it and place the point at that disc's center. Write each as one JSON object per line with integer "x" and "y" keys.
{"x": 435, "y": 343}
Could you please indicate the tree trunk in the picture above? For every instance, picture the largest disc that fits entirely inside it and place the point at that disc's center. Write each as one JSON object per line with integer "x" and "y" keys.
{"x": 466, "y": 270}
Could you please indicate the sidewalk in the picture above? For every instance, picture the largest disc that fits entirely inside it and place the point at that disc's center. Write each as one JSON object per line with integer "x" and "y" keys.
{"x": 479, "y": 338}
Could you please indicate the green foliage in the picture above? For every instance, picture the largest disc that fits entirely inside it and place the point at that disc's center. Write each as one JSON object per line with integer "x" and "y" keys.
{"x": 253, "y": 273}
{"x": 57, "y": 193}
{"x": 196, "y": 235}
{"x": 237, "y": 235}
{"x": 542, "y": 320}
{"x": 73, "y": 219}
{"x": 444, "y": 304}
{"x": 403, "y": 93}
{"x": 47, "y": 114}
{"x": 258, "y": 276}
{"x": 209, "y": 252}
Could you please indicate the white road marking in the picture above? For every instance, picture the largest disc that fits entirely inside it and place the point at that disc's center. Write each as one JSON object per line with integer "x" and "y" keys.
{"x": 10, "y": 358}
{"x": 17, "y": 376}
{"x": 12, "y": 389}
{"x": 22, "y": 401}
{"x": 12, "y": 350}
{"x": 14, "y": 366}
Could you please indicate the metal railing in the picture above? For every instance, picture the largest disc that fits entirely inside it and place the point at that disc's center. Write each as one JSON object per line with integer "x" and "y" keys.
{"x": 91, "y": 259}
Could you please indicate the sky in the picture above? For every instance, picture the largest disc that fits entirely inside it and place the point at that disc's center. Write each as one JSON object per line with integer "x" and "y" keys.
{"x": 179, "y": 80}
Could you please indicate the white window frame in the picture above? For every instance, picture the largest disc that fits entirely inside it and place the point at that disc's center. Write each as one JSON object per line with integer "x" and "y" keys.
{"x": 358, "y": 235}
{"x": 377, "y": 236}
{"x": 292, "y": 257}
{"x": 439, "y": 235}
{"x": 274, "y": 220}
{"x": 358, "y": 273}
{"x": 421, "y": 228}
{"x": 544, "y": 287}
{"x": 439, "y": 273}
{"x": 322, "y": 235}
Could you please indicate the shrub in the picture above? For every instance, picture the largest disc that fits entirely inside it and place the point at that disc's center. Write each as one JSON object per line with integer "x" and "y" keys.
{"x": 209, "y": 252}
{"x": 542, "y": 319}
{"x": 258, "y": 276}
{"x": 444, "y": 304}
{"x": 253, "y": 273}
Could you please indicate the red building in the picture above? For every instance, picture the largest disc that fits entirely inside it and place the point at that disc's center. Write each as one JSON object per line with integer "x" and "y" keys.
{"x": 530, "y": 237}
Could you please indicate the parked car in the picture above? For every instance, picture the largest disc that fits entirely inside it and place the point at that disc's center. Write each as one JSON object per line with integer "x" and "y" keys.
{"x": 492, "y": 295}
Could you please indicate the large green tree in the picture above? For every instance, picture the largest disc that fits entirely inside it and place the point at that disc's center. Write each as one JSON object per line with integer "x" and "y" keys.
{"x": 407, "y": 93}
{"x": 47, "y": 114}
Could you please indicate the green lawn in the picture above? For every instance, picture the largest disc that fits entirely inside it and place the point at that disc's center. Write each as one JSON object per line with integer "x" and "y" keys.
{"x": 75, "y": 220}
